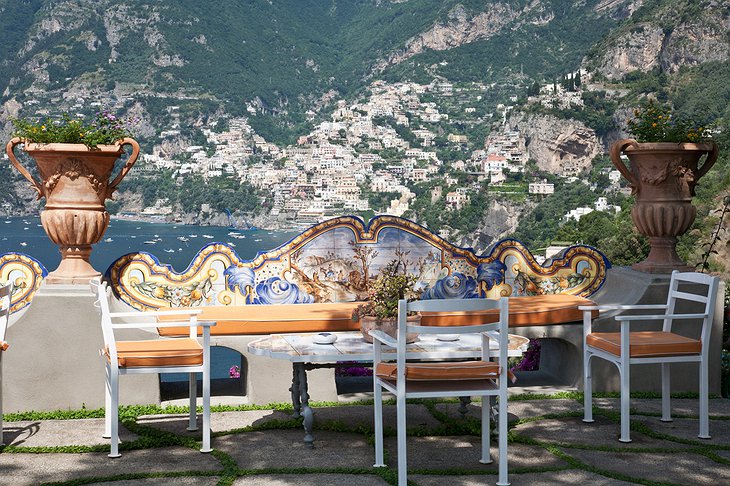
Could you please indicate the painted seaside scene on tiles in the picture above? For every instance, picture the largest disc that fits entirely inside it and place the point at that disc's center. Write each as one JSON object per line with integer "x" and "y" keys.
{"x": 334, "y": 261}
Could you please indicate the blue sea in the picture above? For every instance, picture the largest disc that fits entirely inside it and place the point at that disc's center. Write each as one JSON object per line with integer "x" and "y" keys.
{"x": 173, "y": 244}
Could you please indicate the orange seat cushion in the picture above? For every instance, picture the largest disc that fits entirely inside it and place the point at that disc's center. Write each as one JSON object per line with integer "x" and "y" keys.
{"x": 468, "y": 370}
{"x": 541, "y": 310}
{"x": 4, "y": 345}
{"x": 644, "y": 344}
{"x": 271, "y": 319}
{"x": 166, "y": 352}
{"x": 538, "y": 310}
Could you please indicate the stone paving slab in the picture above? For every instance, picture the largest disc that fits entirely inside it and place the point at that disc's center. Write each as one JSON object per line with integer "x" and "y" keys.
{"x": 464, "y": 452}
{"x": 681, "y": 406}
{"x": 52, "y": 433}
{"x": 286, "y": 449}
{"x": 354, "y": 415}
{"x": 32, "y": 469}
{"x": 688, "y": 429}
{"x": 572, "y": 477}
{"x": 602, "y": 432}
{"x": 177, "y": 481}
{"x": 680, "y": 468}
{"x": 310, "y": 480}
{"x": 219, "y": 421}
{"x": 519, "y": 409}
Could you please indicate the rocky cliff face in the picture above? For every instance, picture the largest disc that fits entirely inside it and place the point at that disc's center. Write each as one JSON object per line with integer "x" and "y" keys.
{"x": 500, "y": 219}
{"x": 460, "y": 29}
{"x": 558, "y": 146}
{"x": 648, "y": 45}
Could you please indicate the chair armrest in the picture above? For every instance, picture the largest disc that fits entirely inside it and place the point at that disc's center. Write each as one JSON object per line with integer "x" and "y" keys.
{"x": 139, "y": 325}
{"x": 659, "y": 317}
{"x": 176, "y": 312}
{"x": 621, "y": 307}
{"x": 384, "y": 338}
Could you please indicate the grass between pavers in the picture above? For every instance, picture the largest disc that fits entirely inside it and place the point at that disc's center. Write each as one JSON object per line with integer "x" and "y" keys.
{"x": 149, "y": 437}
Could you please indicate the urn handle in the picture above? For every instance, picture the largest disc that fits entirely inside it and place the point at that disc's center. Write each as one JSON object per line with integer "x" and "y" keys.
{"x": 616, "y": 149}
{"x": 33, "y": 183}
{"x": 709, "y": 161}
{"x": 127, "y": 166}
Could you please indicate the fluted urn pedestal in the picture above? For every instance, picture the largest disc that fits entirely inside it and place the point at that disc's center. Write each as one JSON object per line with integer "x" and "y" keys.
{"x": 74, "y": 179}
{"x": 663, "y": 176}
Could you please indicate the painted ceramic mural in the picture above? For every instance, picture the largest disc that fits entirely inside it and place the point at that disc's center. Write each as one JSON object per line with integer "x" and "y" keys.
{"x": 334, "y": 260}
{"x": 25, "y": 273}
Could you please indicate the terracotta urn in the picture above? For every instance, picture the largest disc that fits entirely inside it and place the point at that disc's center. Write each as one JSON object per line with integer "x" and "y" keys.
{"x": 75, "y": 180}
{"x": 388, "y": 326}
{"x": 663, "y": 177}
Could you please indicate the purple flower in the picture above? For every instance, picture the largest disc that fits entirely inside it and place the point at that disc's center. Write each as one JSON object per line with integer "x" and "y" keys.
{"x": 234, "y": 372}
{"x": 531, "y": 359}
{"x": 354, "y": 370}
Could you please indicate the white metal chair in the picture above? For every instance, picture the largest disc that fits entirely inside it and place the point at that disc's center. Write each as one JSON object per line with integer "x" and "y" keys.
{"x": 482, "y": 378}
{"x": 179, "y": 355}
{"x": 698, "y": 293}
{"x": 5, "y": 292}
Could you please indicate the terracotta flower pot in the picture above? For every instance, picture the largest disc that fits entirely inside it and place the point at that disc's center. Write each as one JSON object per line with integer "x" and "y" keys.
{"x": 75, "y": 183}
{"x": 663, "y": 178}
{"x": 388, "y": 326}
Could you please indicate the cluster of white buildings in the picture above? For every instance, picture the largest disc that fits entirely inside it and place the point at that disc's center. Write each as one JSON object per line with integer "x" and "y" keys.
{"x": 333, "y": 169}
{"x": 328, "y": 170}
{"x": 601, "y": 204}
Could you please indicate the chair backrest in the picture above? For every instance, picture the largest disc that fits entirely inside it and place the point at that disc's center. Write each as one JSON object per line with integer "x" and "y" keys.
{"x": 698, "y": 289}
{"x": 102, "y": 303}
{"x": 5, "y": 292}
{"x": 498, "y": 330}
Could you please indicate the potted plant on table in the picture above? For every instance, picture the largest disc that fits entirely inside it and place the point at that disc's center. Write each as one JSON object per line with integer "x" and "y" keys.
{"x": 75, "y": 160}
{"x": 381, "y": 310}
{"x": 664, "y": 158}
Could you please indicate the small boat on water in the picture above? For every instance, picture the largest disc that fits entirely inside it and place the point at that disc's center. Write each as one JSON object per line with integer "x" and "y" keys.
{"x": 23, "y": 243}
{"x": 230, "y": 244}
{"x": 193, "y": 236}
{"x": 8, "y": 222}
{"x": 108, "y": 240}
{"x": 257, "y": 239}
{"x": 169, "y": 250}
{"x": 208, "y": 236}
{"x": 182, "y": 238}
{"x": 150, "y": 242}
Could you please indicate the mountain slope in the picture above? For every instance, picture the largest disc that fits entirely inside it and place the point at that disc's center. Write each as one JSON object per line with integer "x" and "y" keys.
{"x": 280, "y": 57}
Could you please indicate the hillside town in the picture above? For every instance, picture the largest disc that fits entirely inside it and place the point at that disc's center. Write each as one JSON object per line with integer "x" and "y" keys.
{"x": 363, "y": 149}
